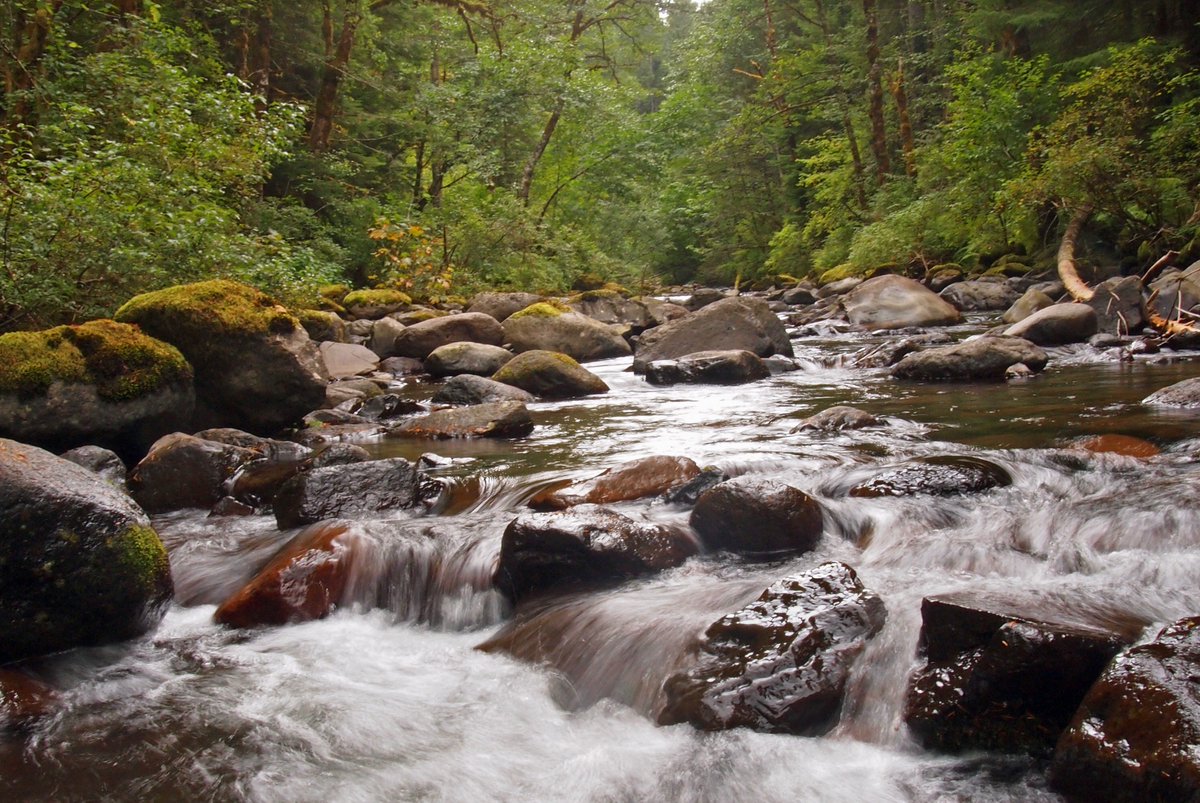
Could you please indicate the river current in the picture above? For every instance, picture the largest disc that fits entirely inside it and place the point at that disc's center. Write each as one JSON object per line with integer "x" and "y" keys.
{"x": 389, "y": 699}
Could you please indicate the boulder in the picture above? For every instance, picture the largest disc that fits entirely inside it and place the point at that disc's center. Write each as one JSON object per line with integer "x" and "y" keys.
{"x": 24, "y": 701}
{"x": 983, "y": 358}
{"x": 505, "y": 419}
{"x": 1173, "y": 292}
{"x": 661, "y": 312}
{"x": 550, "y": 375}
{"x": 944, "y": 475}
{"x": 420, "y": 339}
{"x": 897, "y": 302}
{"x": 79, "y": 563}
{"x": 799, "y": 296}
{"x": 709, "y": 368}
{"x": 610, "y": 307}
{"x": 355, "y": 489}
{"x": 107, "y": 465}
{"x": 1029, "y": 303}
{"x": 183, "y": 471}
{"x": 101, "y": 383}
{"x": 1185, "y": 394}
{"x": 1135, "y": 734}
{"x": 780, "y": 664}
{"x": 470, "y": 389}
{"x": 637, "y": 479}
{"x": 256, "y": 368}
{"x": 838, "y": 418}
{"x": 1056, "y": 325}
{"x": 1006, "y": 674}
{"x": 501, "y": 305}
{"x": 387, "y": 407}
{"x": 892, "y": 351}
{"x": 1120, "y": 309}
{"x": 375, "y": 303}
{"x": 980, "y": 295}
{"x": 742, "y": 324}
{"x": 549, "y": 327}
{"x": 402, "y": 366}
{"x": 304, "y": 581}
{"x": 585, "y": 547}
{"x": 703, "y": 297}
{"x": 757, "y": 517}
{"x": 344, "y": 360}
{"x": 322, "y": 326}
{"x": 382, "y": 336}
{"x": 480, "y": 359}
{"x": 1113, "y": 443}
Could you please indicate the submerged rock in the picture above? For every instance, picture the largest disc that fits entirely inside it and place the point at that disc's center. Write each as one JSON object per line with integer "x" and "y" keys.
{"x": 584, "y": 547}
{"x": 708, "y": 367}
{"x": 550, "y": 375}
{"x": 1006, "y": 674}
{"x": 741, "y": 324}
{"x": 79, "y": 563}
{"x": 376, "y": 486}
{"x": 781, "y": 663}
{"x": 256, "y": 368}
{"x": 983, "y": 358}
{"x": 837, "y": 418}
{"x": 944, "y": 475}
{"x": 757, "y": 517}
{"x": 1135, "y": 736}
{"x": 23, "y": 701}
{"x": 897, "y": 302}
{"x": 506, "y": 419}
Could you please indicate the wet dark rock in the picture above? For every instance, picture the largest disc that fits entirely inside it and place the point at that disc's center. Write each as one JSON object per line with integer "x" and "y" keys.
{"x": 584, "y": 547}
{"x": 255, "y": 366}
{"x": 479, "y": 359}
{"x": 740, "y": 323}
{"x": 420, "y": 339}
{"x": 689, "y": 493}
{"x": 502, "y": 305}
{"x": 79, "y": 563}
{"x": 945, "y": 475}
{"x": 980, "y": 295}
{"x": 236, "y": 437}
{"x": 897, "y": 302}
{"x": 1056, "y": 325}
{"x": 703, "y": 297}
{"x": 340, "y": 454}
{"x": 402, "y": 366}
{"x": 470, "y": 389}
{"x": 837, "y": 418}
{"x": 757, "y": 517}
{"x": 550, "y": 375}
{"x": 1112, "y": 443}
{"x": 544, "y": 327}
{"x": 708, "y": 367}
{"x": 1184, "y": 394}
{"x": 1174, "y": 292}
{"x": 1119, "y": 306}
{"x": 388, "y": 407}
{"x": 319, "y": 437}
{"x": 183, "y": 471}
{"x": 799, "y": 296}
{"x": 983, "y": 358}
{"x": 637, "y": 479}
{"x": 23, "y": 701}
{"x": 1134, "y": 737}
{"x": 257, "y": 482}
{"x": 356, "y": 489}
{"x": 304, "y": 581}
{"x": 1032, "y": 301}
{"x": 108, "y": 465}
{"x": 1006, "y": 674}
{"x": 343, "y": 360}
{"x": 507, "y": 419}
{"x": 781, "y": 663}
{"x": 228, "y": 506}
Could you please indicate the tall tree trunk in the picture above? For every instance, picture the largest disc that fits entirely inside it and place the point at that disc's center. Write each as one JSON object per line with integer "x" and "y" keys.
{"x": 22, "y": 62}
{"x": 337, "y": 58}
{"x": 907, "y": 145}
{"x": 875, "y": 87}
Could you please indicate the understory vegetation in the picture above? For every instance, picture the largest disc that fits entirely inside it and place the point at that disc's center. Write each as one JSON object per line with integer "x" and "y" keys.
{"x": 438, "y": 147}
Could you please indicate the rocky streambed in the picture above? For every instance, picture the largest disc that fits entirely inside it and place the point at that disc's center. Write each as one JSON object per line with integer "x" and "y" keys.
{"x": 828, "y": 583}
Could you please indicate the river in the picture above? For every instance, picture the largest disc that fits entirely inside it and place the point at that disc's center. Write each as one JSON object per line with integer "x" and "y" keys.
{"x": 389, "y": 699}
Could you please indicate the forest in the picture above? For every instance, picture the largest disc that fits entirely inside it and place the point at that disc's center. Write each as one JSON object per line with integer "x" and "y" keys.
{"x": 441, "y": 147}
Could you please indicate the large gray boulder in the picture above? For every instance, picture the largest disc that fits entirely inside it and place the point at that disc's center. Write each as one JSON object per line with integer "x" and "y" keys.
{"x": 981, "y": 358}
{"x": 255, "y": 366}
{"x": 1057, "y": 325}
{"x": 341, "y": 491}
{"x": 1120, "y": 308}
{"x": 708, "y": 368}
{"x": 980, "y": 295}
{"x": 501, "y": 305}
{"x": 545, "y": 327}
{"x": 79, "y": 563}
{"x": 1029, "y": 303}
{"x": 897, "y": 302}
{"x": 503, "y": 419}
{"x": 479, "y": 359}
{"x": 420, "y": 339}
{"x": 471, "y": 389}
{"x": 737, "y": 323}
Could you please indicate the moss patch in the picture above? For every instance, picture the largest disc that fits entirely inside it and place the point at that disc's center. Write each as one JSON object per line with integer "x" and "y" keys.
{"x": 142, "y": 560}
{"x": 120, "y": 361}
{"x": 217, "y": 305}
{"x": 334, "y": 293}
{"x": 551, "y": 308}
{"x": 376, "y": 298}
{"x": 846, "y": 271}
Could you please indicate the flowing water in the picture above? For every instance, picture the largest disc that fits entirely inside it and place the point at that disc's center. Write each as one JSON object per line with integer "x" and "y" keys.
{"x": 389, "y": 699}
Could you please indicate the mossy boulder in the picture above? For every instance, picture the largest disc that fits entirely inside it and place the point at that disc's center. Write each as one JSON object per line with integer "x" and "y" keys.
{"x": 79, "y": 563}
{"x": 737, "y": 323}
{"x": 550, "y": 375}
{"x": 99, "y": 383}
{"x": 549, "y": 308}
{"x": 323, "y": 325}
{"x": 844, "y": 271}
{"x": 256, "y": 368}
{"x": 553, "y": 326}
{"x": 373, "y": 304}
{"x": 501, "y": 305}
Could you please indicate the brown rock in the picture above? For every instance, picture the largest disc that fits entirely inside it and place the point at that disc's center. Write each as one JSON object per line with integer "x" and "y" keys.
{"x": 1117, "y": 444}
{"x": 757, "y": 517}
{"x": 23, "y": 700}
{"x": 184, "y": 471}
{"x": 637, "y": 479}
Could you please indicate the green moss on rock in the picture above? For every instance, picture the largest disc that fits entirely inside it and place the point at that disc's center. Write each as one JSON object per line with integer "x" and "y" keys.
{"x": 844, "y": 271}
{"x": 550, "y": 308}
{"x": 118, "y": 359}
{"x": 218, "y": 305}
{"x": 334, "y": 293}
{"x": 382, "y": 297}
{"x": 141, "y": 559}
